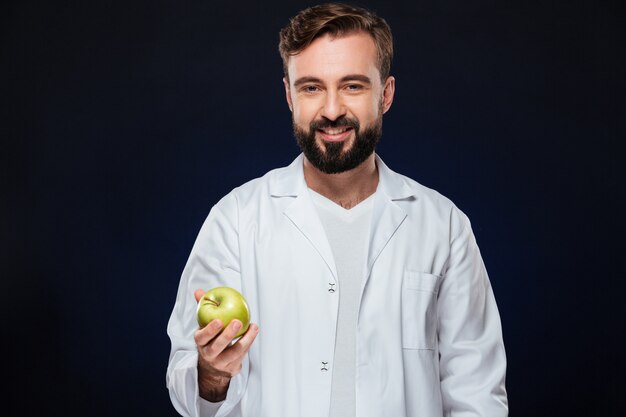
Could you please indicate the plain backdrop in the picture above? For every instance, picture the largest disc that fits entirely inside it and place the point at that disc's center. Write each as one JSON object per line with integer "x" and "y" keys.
{"x": 124, "y": 122}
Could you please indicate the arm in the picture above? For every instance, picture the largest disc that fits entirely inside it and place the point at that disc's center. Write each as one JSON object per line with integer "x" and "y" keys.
{"x": 214, "y": 261}
{"x": 472, "y": 356}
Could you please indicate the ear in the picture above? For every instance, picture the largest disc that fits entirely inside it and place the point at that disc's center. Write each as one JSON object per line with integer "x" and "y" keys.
{"x": 288, "y": 93}
{"x": 388, "y": 91}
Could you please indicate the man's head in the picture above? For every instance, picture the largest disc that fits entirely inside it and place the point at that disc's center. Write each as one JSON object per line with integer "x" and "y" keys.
{"x": 336, "y": 20}
{"x": 337, "y": 60}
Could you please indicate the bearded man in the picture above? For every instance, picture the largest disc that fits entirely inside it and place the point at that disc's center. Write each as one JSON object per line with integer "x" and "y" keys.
{"x": 367, "y": 289}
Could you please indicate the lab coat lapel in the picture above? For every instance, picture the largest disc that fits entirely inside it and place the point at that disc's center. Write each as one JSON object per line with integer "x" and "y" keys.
{"x": 290, "y": 183}
{"x": 303, "y": 215}
{"x": 387, "y": 216}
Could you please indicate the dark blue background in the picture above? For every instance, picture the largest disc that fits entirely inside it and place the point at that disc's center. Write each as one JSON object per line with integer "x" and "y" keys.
{"x": 126, "y": 121}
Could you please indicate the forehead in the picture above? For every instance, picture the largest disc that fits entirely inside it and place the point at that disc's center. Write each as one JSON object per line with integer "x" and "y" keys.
{"x": 329, "y": 58}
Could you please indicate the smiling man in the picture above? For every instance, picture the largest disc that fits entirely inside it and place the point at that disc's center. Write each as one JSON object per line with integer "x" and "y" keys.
{"x": 338, "y": 95}
{"x": 333, "y": 87}
{"x": 368, "y": 289}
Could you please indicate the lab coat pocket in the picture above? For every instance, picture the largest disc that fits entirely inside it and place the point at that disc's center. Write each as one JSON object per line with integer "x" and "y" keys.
{"x": 419, "y": 310}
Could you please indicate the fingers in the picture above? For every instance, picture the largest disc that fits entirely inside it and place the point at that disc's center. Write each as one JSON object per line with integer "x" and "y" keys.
{"x": 223, "y": 340}
{"x": 198, "y": 294}
{"x": 218, "y": 355}
{"x": 242, "y": 346}
{"x": 210, "y": 335}
{"x": 204, "y": 335}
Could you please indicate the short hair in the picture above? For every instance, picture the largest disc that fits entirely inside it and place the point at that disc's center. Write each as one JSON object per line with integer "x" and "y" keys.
{"x": 336, "y": 20}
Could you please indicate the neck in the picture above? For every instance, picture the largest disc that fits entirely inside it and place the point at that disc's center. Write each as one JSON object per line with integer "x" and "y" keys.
{"x": 347, "y": 188}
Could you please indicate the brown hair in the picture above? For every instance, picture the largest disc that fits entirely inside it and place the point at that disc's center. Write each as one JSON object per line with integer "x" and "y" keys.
{"x": 336, "y": 19}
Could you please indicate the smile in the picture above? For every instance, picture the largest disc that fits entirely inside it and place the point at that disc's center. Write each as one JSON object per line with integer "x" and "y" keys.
{"x": 336, "y": 134}
{"x": 335, "y": 131}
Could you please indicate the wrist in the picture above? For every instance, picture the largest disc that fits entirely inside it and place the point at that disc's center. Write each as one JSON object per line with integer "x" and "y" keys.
{"x": 212, "y": 388}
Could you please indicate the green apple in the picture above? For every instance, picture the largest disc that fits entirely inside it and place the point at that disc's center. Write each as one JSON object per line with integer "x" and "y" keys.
{"x": 225, "y": 304}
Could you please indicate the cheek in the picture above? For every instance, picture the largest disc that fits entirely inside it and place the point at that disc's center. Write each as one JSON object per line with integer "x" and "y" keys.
{"x": 365, "y": 108}
{"x": 303, "y": 114}
{"x": 368, "y": 113}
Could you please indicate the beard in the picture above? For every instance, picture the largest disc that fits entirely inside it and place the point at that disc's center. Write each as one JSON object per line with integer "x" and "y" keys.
{"x": 336, "y": 157}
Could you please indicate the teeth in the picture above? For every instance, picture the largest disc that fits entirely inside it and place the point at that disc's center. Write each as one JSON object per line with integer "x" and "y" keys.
{"x": 335, "y": 131}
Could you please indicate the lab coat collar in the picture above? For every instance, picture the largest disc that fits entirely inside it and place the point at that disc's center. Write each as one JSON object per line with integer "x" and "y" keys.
{"x": 289, "y": 181}
{"x": 386, "y": 217}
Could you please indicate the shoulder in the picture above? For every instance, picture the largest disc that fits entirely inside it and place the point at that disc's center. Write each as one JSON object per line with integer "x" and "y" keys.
{"x": 276, "y": 182}
{"x": 258, "y": 187}
{"x": 400, "y": 187}
{"x": 427, "y": 204}
{"x": 428, "y": 195}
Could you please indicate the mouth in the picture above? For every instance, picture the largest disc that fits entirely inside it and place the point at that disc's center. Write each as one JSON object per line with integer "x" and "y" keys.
{"x": 335, "y": 134}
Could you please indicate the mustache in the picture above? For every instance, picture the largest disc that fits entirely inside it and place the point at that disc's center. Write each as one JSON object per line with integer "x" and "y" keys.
{"x": 339, "y": 122}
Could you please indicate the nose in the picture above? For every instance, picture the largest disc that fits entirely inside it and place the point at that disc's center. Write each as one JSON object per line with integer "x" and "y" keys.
{"x": 333, "y": 107}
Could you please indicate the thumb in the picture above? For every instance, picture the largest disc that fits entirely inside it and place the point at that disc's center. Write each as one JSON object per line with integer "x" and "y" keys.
{"x": 198, "y": 294}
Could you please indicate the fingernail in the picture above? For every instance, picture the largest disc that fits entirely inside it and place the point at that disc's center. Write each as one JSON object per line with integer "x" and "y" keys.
{"x": 216, "y": 324}
{"x": 236, "y": 325}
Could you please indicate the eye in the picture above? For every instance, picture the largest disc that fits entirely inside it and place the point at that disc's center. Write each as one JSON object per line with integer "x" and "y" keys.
{"x": 354, "y": 87}
{"x": 310, "y": 88}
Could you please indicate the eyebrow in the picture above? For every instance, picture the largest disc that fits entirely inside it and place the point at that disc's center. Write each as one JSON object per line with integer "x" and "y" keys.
{"x": 351, "y": 77}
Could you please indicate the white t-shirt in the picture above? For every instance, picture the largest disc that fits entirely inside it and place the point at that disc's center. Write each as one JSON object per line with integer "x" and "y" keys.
{"x": 347, "y": 232}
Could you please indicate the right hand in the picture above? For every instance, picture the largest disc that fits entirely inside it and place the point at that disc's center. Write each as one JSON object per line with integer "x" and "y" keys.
{"x": 219, "y": 359}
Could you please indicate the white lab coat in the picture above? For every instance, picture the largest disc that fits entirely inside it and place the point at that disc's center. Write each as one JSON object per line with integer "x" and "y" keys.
{"x": 429, "y": 340}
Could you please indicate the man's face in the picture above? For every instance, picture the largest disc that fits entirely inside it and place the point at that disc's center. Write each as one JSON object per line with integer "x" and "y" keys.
{"x": 337, "y": 100}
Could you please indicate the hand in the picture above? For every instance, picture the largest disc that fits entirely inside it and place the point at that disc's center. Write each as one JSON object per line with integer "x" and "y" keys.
{"x": 218, "y": 358}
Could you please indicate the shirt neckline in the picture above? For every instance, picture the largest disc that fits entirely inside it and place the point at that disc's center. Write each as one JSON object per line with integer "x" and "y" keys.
{"x": 329, "y": 205}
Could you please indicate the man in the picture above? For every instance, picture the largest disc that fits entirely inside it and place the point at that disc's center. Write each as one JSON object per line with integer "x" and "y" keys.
{"x": 368, "y": 289}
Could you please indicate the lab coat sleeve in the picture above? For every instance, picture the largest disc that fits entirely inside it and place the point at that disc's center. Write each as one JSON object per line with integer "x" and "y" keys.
{"x": 472, "y": 356}
{"x": 213, "y": 262}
